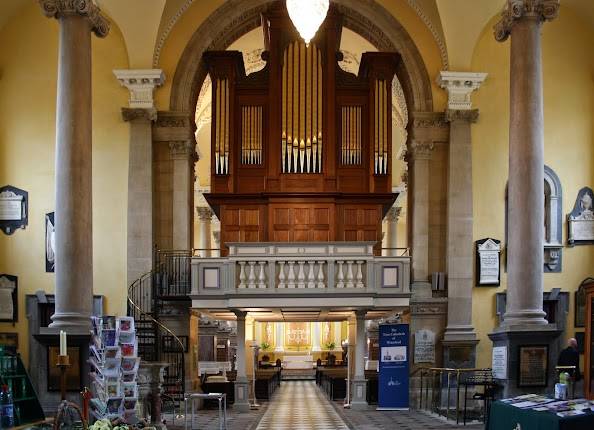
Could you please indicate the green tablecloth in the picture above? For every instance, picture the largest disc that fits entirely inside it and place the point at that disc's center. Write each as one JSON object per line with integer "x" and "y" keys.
{"x": 507, "y": 417}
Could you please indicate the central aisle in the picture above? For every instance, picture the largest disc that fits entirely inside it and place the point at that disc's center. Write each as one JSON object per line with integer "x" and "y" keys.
{"x": 300, "y": 405}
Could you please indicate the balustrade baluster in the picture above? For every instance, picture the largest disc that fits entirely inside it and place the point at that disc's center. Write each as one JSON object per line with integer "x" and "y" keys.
{"x": 310, "y": 275}
{"x": 291, "y": 279}
{"x": 262, "y": 276}
{"x": 340, "y": 283}
{"x": 241, "y": 274}
{"x": 252, "y": 275}
{"x": 321, "y": 283}
{"x": 360, "y": 283}
{"x": 301, "y": 275}
{"x": 350, "y": 278}
{"x": 281, "y": 274}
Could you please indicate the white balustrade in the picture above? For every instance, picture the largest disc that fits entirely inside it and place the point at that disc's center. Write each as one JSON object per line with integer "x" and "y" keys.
{"x": 252, "y": 275}
{"x": 321, "y": 283}
{"x": 281, "y": 274}
{"x": 360, "y": 283}
{"x": 310, "y": 275}
{"x": 291, "y": 278}
{"x": 301, "y": 275}
{"x": 241, "y": 275}
{"x": 262, "y": 275}
{"x": 350, "y": 278}
{"x": 340, "y": 283}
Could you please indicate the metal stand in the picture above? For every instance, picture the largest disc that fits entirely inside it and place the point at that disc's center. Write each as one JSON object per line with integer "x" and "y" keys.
{"x": 254, "y": 405}
{"x": 347, "y": 400}
{"x": 222, "y": 399}
{"x": 63, "y": 364}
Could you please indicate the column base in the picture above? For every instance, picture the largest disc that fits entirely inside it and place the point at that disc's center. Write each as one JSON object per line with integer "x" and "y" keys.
{"x": 528, "y": 335}
{"x": 241, "y": 388}
{"x": 359, "y": 393}
{"x": 71, "y": 320}
{"x": 523, "y": 318}
{"x": 459, "y": 354}
{"x": 421, "y": 290}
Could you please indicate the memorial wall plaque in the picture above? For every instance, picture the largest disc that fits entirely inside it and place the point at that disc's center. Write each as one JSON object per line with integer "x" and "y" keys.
{"x": 533, "y": 365}
{"x": 488, "y": 253}
{"x": 424, "y": 346}
{"x": 8, "y": 298}
{"x": 581, "y": 219}
{"x": 50, "y": 242}
{"x": 499, "y": 362}
{"x": 13, "y": 209}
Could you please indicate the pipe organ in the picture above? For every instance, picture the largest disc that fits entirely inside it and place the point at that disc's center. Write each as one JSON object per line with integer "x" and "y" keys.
{"x": 301, "y": 150}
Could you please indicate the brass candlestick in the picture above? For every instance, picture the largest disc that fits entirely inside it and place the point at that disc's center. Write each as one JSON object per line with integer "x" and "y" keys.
{"x": 63, "y": 364}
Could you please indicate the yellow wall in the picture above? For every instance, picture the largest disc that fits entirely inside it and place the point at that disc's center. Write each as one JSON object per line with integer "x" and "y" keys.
{"x": 28, "y": 72}
{"x": 568, "y": 68}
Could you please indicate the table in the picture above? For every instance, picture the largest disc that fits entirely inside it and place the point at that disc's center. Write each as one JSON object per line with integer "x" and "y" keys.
{"x": 504, "y": 416}
{"x": 221, "y": 397}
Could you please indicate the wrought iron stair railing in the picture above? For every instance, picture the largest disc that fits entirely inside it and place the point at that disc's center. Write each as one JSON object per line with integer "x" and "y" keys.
{"x": 156, "y": 342}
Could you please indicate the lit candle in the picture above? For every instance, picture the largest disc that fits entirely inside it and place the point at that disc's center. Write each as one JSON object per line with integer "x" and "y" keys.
{"x": 63, "y": 347}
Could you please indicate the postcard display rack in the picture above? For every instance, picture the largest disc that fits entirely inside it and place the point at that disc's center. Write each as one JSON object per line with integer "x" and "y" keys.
{"x": 114, "y": 363}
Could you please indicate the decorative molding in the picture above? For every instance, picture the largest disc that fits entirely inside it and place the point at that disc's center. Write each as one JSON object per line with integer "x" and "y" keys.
{"x": 133, "y": 114}
{"x": 393, "y": 214}
{"x": 204, "y": 213}
{"x": 428, "y": 308}
{"x": 465, "y": 115}
{"x": 141, "y": 83}
{"x": 443, "y": 51}
{"x": 460, "y": 86}
{"x": 429, "y": 120}
{"x": 420, "y": 150}
{"x": 173, "y": 119}
{"x": 539, "y": 10}
{"x": 157, "y": 53}
{"x": 85, "y": 8}
{"x": 182, "y": 149}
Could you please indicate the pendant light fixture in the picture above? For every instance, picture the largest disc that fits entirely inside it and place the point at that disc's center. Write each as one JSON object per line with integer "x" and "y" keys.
{"x": 307, "y": 16}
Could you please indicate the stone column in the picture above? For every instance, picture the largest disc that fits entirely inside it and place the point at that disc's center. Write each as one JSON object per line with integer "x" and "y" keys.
{"x": 522, "y": 19}
{"x": 359, "y": 394}
{"x": 279, "y": 333}
{"x": 183, "y": 155}
{"x": 419, "y": 154}
{"x": 317, "y": 337}
{"x": 460, "y": 333}
{"x": 524, "y": 322}
{"x": 141, "y": 113}
{"x": 337, "y": 335}
{"x": 241, "y": 381}
{"x": 205, "y": 218}
{"x": 74, "y": 228}
{"x": 392, "y": 230}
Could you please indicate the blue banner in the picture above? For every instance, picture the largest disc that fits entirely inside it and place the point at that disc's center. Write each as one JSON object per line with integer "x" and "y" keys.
{"x": 393, "y": 366}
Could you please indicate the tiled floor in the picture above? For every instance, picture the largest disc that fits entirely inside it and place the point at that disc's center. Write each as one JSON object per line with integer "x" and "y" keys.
{"x": 300, "y": 405}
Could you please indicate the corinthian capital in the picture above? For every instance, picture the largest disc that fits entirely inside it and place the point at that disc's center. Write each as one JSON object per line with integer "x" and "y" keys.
{"x": 420, "y": 150}
{"x": 539, "y": 10}
{"x": 86, "y": 8}
{"x": 182, "y": 149}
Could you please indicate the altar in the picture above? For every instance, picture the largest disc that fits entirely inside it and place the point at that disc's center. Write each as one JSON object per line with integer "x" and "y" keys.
{"x": 298, "y": 362}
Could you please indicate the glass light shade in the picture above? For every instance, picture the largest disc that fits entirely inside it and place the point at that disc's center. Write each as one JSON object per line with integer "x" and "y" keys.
{"x": 307, "y": 16}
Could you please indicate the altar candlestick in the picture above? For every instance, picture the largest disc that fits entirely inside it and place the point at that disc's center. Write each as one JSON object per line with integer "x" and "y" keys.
{"x": 63, "y": 346}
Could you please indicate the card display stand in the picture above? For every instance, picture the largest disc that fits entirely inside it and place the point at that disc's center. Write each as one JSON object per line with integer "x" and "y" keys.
{"x": 114, "y": 360}
{"x": 27, "y": 408}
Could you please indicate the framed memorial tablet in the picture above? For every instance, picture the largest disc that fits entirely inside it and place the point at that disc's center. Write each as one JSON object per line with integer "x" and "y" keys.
{"x": 14, "y": 212}
{"x": 9, "y": 311}
{"x": 533, "y": 363}
{"x": 488, "y": 257}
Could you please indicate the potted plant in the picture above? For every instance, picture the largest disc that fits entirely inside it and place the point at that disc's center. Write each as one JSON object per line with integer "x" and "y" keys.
{"x": 329, "y": 346}
{"x": 265, "y": 346}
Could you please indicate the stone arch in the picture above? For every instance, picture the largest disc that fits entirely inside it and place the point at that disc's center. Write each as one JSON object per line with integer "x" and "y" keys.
{"x": 234, "y": 19}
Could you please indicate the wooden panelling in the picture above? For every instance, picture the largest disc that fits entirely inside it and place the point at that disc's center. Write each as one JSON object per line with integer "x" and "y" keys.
{"x": 359, "y": 222}
{"x": 301, "y": 222}
{"x": 242, "y": 224}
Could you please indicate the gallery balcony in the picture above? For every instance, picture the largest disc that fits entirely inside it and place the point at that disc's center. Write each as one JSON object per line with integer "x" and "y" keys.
{"x": 325, "y": 276}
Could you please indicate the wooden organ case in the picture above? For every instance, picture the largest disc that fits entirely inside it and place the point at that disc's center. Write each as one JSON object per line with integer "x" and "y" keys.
{"x": 301, "y": 150}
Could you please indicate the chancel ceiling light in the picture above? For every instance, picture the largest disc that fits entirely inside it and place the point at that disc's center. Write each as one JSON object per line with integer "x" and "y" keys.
{"x": 307, "y": 16}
